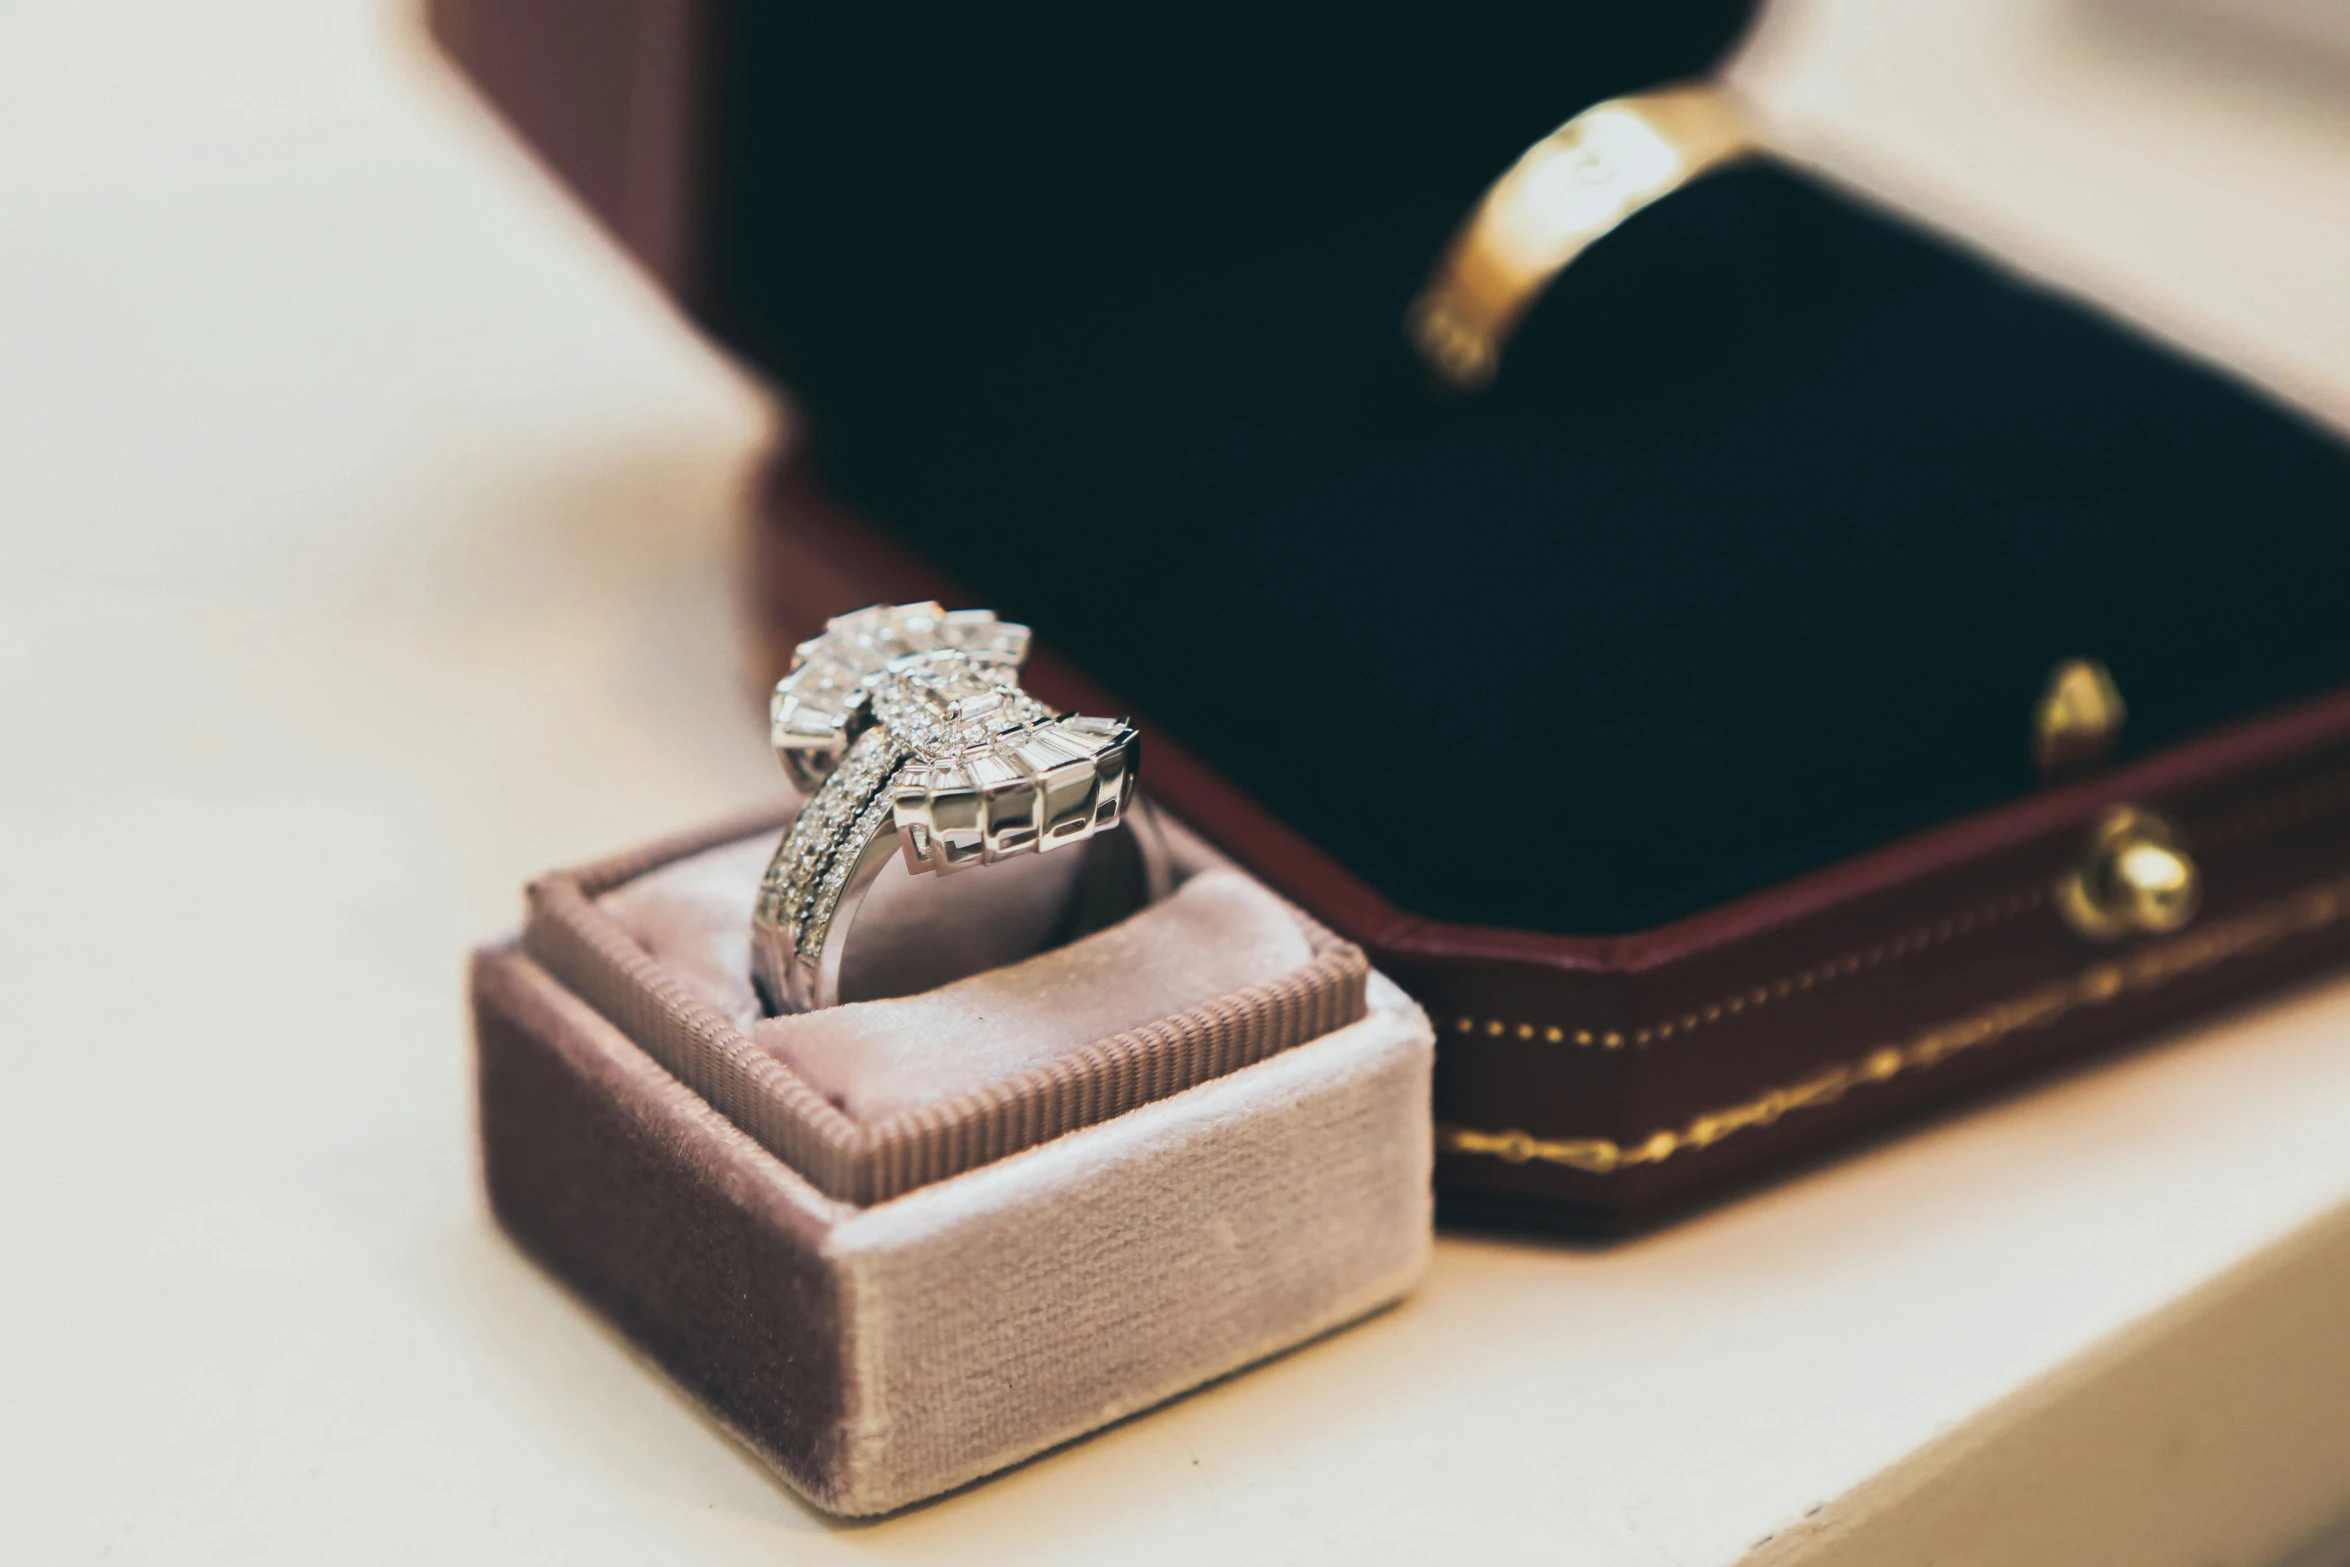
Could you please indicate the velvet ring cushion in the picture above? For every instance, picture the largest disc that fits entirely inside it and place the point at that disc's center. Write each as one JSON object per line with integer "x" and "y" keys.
{"x": 871, "y": 1099}
{"x": 1220, "y": 933}
{"x": 897, "y": 1245}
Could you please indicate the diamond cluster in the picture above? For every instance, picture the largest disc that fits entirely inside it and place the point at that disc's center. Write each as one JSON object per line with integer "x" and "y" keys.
{"x": 909, "y": 718}
{"x": 1026, "y": 788}
{"x": 945, "y": 701}
{"x": 825, "y": 702}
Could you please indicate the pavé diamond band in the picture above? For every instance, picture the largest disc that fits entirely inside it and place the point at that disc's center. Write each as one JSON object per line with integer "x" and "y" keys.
{"x": 907, "y": 729}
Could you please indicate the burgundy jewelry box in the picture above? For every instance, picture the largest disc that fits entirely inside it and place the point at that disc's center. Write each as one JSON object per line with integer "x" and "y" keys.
{"x": 1664, "y": 718}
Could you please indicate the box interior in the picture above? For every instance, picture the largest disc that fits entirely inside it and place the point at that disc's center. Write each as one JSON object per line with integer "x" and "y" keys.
{"x": 1217, "y": 934}
{"x": 872, "y": 1099}
{"x": 1754, "y": 558}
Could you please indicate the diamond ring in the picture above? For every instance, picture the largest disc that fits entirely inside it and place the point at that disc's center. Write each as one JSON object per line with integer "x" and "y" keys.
{"x": 906, "y": 729}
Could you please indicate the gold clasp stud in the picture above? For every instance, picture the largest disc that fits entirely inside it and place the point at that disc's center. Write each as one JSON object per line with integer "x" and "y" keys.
{"x": 2135, "y": 880}
{"x": 2078, "y": 720}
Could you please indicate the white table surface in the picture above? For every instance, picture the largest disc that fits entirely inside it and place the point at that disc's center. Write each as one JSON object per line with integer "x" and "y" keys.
{"x": 364, "y": 541}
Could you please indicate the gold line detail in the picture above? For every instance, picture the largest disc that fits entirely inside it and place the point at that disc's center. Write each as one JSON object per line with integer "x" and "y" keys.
{"x": 2289, "y": 808}
{"x": 2303, "y": 913}
{"x": 1753, "y": 998}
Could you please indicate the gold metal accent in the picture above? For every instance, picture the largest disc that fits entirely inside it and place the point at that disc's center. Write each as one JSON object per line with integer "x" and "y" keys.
{"x": 1967, "y": 921}
{"x": 2078, "y": 720}
{"x": 2301, "y": 914}
{"x": 2135, "y": 880}
{"x": 1566, "y": 191}
{"x": 2289, "y": 808}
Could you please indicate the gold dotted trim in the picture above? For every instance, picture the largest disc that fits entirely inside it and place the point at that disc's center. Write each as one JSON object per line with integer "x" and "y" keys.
{"x": 2284, "y": 810}
{"x": 2294, "y": 806}
{"x": 1917, "y": 939}
{"x": 2301, "y": 914}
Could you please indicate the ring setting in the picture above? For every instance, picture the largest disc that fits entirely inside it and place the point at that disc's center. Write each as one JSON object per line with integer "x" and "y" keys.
{"x": 907, "y": 729}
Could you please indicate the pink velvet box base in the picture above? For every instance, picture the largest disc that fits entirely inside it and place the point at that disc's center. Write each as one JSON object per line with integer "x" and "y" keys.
{"x": 899, "y": 1249}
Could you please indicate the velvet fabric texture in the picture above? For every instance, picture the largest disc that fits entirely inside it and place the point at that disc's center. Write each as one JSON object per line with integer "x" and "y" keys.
{"x": 1219, "y": 933}
{"x": 1756, "y": 555}
{"x": 872, "y": 1054}
{"x": 876, "y": 1353}
{"x": 877, "y": 1356}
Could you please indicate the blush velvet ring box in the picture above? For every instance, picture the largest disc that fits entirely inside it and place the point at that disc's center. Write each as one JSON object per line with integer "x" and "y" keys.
{"x": 897, "y": 1245}
{"x": 1716, "y": 632}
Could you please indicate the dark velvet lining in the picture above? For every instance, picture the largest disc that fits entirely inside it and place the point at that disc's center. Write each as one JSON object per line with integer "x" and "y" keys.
{"x": 1755, "y": 557}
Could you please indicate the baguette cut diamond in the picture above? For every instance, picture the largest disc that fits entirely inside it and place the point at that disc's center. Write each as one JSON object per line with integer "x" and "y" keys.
{"x": 823, "y": 704}
{"x": 907, "y": 729}
{"x": 944, "y": 701}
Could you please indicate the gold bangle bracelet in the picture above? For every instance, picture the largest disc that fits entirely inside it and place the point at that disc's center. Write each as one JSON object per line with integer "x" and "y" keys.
{"x": 1566, "y": 191}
